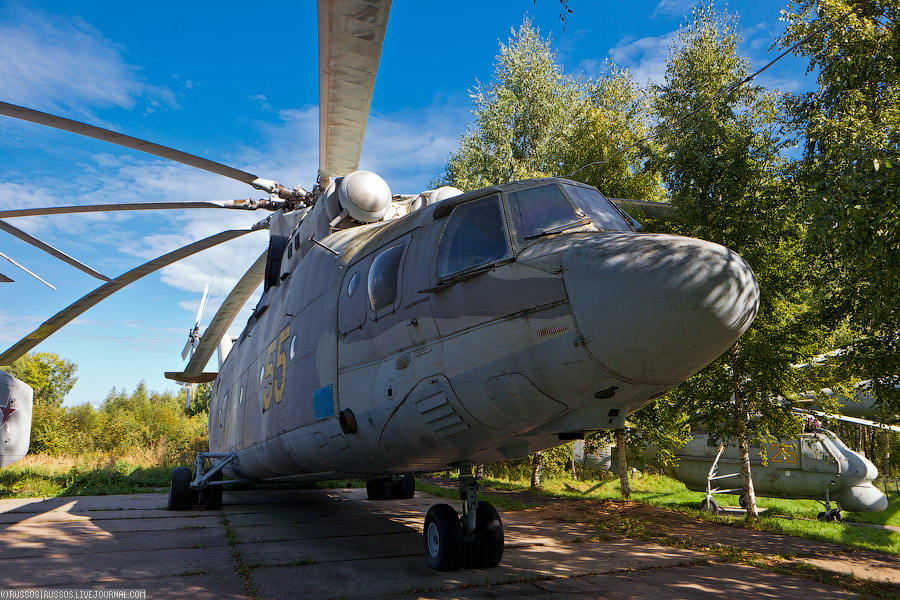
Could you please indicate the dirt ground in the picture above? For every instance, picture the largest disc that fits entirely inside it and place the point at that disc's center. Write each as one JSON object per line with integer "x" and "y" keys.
{"x": 873, "y": 574}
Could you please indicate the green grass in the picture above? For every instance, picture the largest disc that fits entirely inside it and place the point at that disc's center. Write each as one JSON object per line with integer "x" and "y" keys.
{"x": 38, "y": 476}
{"x": 665, "y": 492}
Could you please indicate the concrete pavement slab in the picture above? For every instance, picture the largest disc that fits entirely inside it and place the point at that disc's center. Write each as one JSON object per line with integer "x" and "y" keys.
{"x": 712, "y": 582}
{"x": 874, "y": 566}
{"x": 327, "y": 543}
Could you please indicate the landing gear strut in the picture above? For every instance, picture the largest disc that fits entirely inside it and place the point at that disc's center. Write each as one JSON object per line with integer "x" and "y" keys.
{"x": 204, "y": 486}
{"x": 829, "y": 514}
{"x": 473, "y": 540}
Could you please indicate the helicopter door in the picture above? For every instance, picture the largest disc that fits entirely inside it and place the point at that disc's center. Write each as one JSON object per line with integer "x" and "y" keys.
{"x": 815, "y": 456}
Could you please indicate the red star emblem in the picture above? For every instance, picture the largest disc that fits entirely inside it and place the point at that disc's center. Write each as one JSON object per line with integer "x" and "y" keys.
{"x": 5, "y": 413}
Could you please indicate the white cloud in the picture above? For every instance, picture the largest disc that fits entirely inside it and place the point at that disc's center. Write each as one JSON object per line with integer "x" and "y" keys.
{"x": 63, "y": 64}
{"x": 674, "y": 8}
{"x": 645, "y": 57}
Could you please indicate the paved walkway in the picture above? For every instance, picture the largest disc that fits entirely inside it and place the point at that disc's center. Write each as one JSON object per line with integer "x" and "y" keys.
{"x": 336, "y": 543}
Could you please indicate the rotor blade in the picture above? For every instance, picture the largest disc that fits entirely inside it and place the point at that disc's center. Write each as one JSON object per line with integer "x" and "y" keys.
{"x": 225, "y": 316}
{"x": 187, "y": 348}
{"x": 26, "y": 270}
{"x": 98, "y": 133}
{"x": 206, "y": 291}
{"x": 68, "y": 314}
{"x": 852, "y": 420}
{"x": 66, "y": 210}
{"x": 351, "y": 34}
{"x": 654, "y": 210}
{"x": 51, "y": 251}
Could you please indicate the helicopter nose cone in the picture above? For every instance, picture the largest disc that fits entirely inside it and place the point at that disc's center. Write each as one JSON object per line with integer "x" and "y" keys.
{"x": 655, "y": 309}
{"x": 862, "y": 498}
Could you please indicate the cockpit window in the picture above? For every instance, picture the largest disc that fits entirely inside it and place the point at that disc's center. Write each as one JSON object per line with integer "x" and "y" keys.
{"x": 474, "y": 236}
{"x": 383, "y": 276}
{"x": 603, "y": 214}
{"x": 542, "y": 209}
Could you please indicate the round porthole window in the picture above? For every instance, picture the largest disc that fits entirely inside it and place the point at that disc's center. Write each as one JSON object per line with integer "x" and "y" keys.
{"x": 354, "y": 283}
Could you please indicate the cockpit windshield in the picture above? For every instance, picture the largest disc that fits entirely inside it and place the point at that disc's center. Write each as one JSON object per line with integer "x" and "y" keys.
{"x": 603, "y": 214}
{"x": 543, "y": 209}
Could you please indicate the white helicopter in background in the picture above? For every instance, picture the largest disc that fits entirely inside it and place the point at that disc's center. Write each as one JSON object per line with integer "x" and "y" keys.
{"x": 407, "y": 333}
{"x": 816, "y": 465}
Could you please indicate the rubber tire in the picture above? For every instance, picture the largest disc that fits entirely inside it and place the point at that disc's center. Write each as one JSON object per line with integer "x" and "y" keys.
{"x": 821, "y": 516}
{"x": 743, "y": 502}
{"x": 211, "y": 497}
{"x": 379, "y": 488}
{"x": 488, "y": 549}
{"x": 711, "y": 506}
{"x": 442, "y": 538}
{"x": 180, "y": 489}
{"x": 404, "y": 488}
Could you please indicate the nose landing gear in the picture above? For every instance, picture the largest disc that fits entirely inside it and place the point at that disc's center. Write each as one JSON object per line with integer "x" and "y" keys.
{"x": 473, "y": 540}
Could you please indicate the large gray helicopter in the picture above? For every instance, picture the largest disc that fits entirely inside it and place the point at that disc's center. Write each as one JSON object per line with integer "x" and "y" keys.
{"x": 399, "y": 334}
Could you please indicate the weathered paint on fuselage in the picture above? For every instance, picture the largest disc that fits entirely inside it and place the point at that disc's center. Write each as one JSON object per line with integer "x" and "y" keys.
{"x": 492, "y": 365}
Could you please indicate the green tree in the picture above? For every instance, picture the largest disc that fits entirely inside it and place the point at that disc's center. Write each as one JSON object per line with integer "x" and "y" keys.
{"x": 608, "y": 132}
{"x": 850, "y": 126}
{"x": 730, "y": 185}
{"x": 50, "y": 376}
{"x": 523, "y": 118}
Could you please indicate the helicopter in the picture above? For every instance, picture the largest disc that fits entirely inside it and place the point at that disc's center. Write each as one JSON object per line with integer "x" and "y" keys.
{"x": 816, "y": 464}
{"x": 17, "y": 399}
{"x": 405, "y": 333}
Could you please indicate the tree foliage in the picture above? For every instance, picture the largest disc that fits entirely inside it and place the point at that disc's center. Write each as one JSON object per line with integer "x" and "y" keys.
{"x": 851, "y": 170}
{"x": 138, "y": 421}
{"x": 50, "y": 376}
{"x": 522, "y": 118}
{"x": 725, "y": 175}
{"x": 609, "y": 133}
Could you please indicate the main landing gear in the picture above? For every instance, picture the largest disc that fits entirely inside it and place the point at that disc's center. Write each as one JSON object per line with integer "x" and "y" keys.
{"x": 399, "y": 487}
{"x": 473, "y": 540}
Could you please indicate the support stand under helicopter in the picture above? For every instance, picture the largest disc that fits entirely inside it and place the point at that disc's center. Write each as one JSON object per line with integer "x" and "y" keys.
{"x": 204, "y": 486}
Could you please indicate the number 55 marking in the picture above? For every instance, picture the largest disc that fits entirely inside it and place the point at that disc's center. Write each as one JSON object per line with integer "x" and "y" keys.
{"x": 275, "y": 387}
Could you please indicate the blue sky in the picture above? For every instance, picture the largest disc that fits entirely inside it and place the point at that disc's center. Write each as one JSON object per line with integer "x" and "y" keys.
{"x": 236, "y": 82}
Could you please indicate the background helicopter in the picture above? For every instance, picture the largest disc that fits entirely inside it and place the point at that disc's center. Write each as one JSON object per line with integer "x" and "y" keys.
{"x": 16, "y": 399}
{"x": 816, "y": 465}
{"x": 406, "y": 333}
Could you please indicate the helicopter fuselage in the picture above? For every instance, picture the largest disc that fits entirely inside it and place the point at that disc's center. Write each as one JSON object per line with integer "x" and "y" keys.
{"x": 479, "y": 328}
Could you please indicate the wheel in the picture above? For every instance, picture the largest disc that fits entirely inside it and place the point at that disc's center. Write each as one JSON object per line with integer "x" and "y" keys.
{"x": 212, "y": 495}
{"x": 488, "y": 548}
{"x": 837, "y": 516}
{"x": 711, "y": 506}
{"x": 744, "y": 502}
{"x": 443, "y": 538}
{"x": 379, "y": 488}
{"x": 821, "y": 516}
{"x": 180, "y": 489}
{"x": 404, "y": 488}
